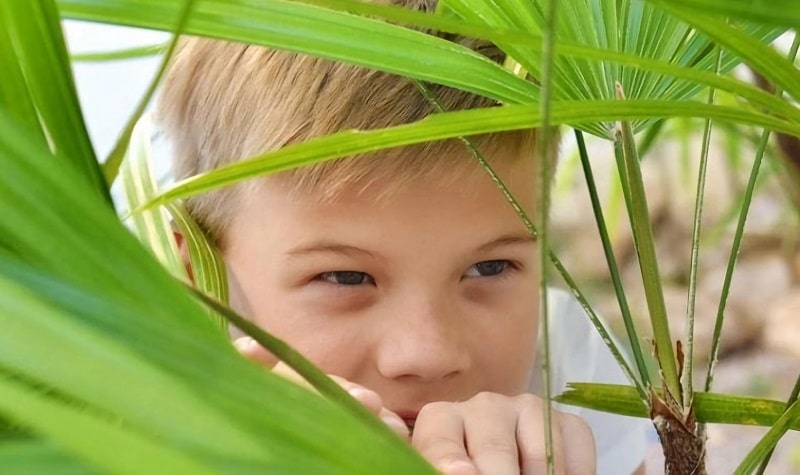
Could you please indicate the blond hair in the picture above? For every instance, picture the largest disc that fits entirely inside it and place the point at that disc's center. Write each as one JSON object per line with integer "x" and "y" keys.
{"x": 223, "y": 101}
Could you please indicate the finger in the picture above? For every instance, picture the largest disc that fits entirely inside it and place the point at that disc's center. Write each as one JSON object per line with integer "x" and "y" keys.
{"x": 490, "y": 434}
{"x": 579, "y": 452}
{"x": 439, "y": 436}
{"x": 395, "y": 423}
{"x": 369, "y": 398}
{"x": 284, "y": 370}
{"x": 250, "y": 349}
{"x": 531, "y": 438}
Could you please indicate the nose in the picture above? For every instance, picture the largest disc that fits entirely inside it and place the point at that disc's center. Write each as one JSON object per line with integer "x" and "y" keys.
{"x": 425, "y": 341}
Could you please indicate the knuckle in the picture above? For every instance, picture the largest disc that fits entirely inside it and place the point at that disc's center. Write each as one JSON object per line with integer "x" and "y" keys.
{"x": 498, "y": 445}
{"x": 486, "y": 398}
{"x": 440, "y": 451}
{"x": 575, "y": 428}
{"x": 571, "y": 419}
{"x": 436, "y": 408}
{"x": 456, "y": 466}
{"x": 529, "y": 400}
{"x": 444, "y": 447}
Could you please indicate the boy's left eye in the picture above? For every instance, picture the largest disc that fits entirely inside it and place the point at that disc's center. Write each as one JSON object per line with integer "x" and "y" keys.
{"x": 488, "y": 268}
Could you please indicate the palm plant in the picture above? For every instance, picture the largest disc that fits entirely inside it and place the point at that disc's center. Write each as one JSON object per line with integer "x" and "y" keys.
{"x": 109, "y": 363}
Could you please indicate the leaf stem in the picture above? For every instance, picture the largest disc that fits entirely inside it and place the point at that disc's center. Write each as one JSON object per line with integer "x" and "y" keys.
{"x": 305, "y": 368}
{"x": 546, "y": 154}
{"x": 737, "y": 239}
{"x": 598, "y": 324}
{"x": 608, "y": 250}
{"x": 127, "y": 53}
{"x": 601, "y": 329}
{"x": 687, "y": 376}
{"x": 767, "y": 444}
{"x": 792, "y": 399}
{"x": 636, "y": 199}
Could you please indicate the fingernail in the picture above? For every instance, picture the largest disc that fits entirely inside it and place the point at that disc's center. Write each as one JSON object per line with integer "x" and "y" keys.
{"x": 367, "y": 397}
{"x": 244, "y": 343}
{"x": 397, "y": 425}
{"x": 359, "y": 393}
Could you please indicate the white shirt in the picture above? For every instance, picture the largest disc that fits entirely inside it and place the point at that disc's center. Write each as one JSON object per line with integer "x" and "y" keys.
{"x": 578, "y": 354}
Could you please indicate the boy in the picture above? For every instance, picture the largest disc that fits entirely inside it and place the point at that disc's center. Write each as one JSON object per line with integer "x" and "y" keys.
{"x": 404, "y": 273}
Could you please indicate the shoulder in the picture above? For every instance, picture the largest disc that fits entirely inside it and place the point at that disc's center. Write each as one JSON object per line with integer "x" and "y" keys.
{"x": 574, "y": 343}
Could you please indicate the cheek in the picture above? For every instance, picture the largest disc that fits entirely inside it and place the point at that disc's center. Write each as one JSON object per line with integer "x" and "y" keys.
{"x": 506, "y": 338}
{"x": 332, "y": 341}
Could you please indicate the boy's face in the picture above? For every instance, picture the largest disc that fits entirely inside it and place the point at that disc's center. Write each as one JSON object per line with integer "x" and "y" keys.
{"x": 427, "y": 295}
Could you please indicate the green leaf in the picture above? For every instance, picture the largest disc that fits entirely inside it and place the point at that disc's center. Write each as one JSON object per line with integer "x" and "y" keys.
{"x": 139, "y": 184}
{"x": 687, "y": 377}
{"x": 640, "y": 46}
{"x": 630, "y": 175}
{"x": 430, "y": 62}
{"x": 587, "y": 32}
{"x": 117, "y": 154}
{"x": 311, "y": 374}
{"x": 138, "y": 347}
{"x": 767, "y": 443}
{"x": 79, "y": 356}
{"x": 35, "y": 33}
{"x": 616, "y": 280}
{"x": 762, "y": 58}
{"x": 208, "y": 269}
{"x": 775, "y": 12}
{"x": 709, "y": 407}
{"x": 456, "y": 124}
{"x": 35, "y": 456}
{"x": 744, "y": 210}
{"x": 79, "y": 432}
{"x": 321, "y": 32}
{"x": 14, "y": 94}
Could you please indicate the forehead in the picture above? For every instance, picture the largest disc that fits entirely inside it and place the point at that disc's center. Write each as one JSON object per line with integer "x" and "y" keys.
{"x": 446, "y": 166}
{"x": 469, "y": 209}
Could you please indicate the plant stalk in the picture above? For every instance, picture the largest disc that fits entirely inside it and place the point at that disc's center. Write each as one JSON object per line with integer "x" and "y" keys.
{"x": 546, "y": 155}
{"x": 608, "y": 250}
{"x": 633, "y": 188}
{"x": 792, "y": 399}
{"x": 687, "y": 376}
{"x": 737, "y": 239}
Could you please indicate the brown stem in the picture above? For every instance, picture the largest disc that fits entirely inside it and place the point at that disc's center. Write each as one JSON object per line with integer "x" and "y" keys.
{"x": 681, "y": 441}
{"x": 788, "y": 145}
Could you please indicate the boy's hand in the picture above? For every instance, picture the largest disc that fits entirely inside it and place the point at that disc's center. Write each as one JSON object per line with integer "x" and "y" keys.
{"x": 492, "y": 434}
{"x": 489, "y": 434}
{"x": 250, "y": 349}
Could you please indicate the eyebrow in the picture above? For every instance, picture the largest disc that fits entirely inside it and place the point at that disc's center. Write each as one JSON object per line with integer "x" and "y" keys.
{"x": 507, "y": 240}
{"x": 329, "y": 247}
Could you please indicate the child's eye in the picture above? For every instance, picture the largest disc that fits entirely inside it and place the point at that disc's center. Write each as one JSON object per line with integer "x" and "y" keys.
{"x": 488, "y": 268}
{"x": 346, "y": 277}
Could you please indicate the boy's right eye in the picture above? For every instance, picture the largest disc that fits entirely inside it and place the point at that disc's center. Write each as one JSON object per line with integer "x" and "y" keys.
{"x": 346, "y": 277}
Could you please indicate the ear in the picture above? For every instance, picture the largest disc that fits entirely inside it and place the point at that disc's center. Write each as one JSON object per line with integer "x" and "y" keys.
{"x": 183, "y": 250}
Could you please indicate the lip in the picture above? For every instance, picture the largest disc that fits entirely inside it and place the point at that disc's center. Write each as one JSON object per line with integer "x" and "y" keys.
{"x": 409, "y": 417}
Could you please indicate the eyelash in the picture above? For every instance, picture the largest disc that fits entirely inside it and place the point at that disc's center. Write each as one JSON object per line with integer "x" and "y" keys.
{"x": 357, "y": 278}
{"x": 506, "y": 266}
{"x": 331, "y": 277}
